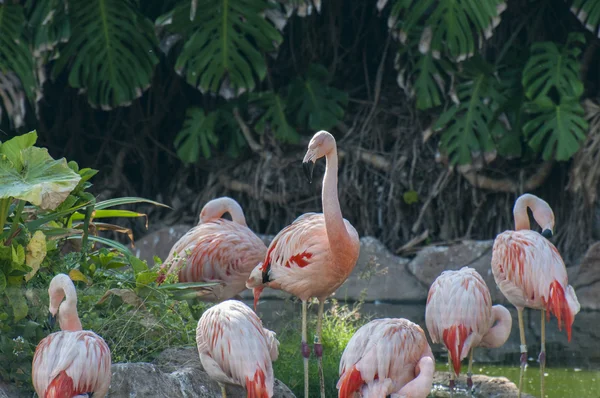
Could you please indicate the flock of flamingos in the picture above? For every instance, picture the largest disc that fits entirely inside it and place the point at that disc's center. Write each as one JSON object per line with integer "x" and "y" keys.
{"x": 311, "y": 258}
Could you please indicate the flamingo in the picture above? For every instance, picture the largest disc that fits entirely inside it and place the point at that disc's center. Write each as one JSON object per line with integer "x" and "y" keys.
{"x": 72, "y": 362}
{"x": 387, "y": 356}
{"x": 234, "y": 348}
{"x": 530, "y": 272}
{"x": 217, "y": 250}
{"x": 459, "y": 314}
{"x": 315, "y": 254}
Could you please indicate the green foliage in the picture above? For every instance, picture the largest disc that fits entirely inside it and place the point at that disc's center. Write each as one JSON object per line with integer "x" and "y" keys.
{"x": 274, "y": 116}
{"x": 197, "y": 136}
{"x": 111, "y": 52}
{"x": 588, "y": 13}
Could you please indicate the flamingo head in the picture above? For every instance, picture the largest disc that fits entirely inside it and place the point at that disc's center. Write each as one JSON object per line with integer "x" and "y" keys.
{"x": 320, "y": 145}
{"x": 215, "y": 209}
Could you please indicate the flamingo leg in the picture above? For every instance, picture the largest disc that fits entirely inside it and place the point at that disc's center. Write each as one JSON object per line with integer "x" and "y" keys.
{"x": 451, "y": 384}
{"x": 542, "y": 357}
{"x": 305, "y": 349}
{"x": 470, "y": 373}
{"x": 523, "y": 349}
{"x": 319, "y": 347}
{"x": 223, "y": 391}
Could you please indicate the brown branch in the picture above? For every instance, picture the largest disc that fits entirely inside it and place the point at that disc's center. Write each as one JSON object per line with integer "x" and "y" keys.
{"x": 506, "y": 184}
{"x": 377, "y": 161}
{"x": 239, "y": 186}
{"x": 255, "y": 146}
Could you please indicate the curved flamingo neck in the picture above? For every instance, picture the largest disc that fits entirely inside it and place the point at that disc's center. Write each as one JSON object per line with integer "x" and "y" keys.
{"x": 334, "y": 222}
{"x": 236, "y": 212}
{"x": 67, "y": 311}
{"x": 421, "y": 385}
{"x": 500, "y": 331}
{"x": 542, "y": 212}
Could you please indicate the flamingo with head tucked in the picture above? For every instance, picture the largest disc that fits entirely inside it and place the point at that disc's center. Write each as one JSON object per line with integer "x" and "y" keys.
{"x": 459, "y": 314}
{"x": 217, "y": 250}
{"x": 72, "y": 362}
{"x": 234, "y": 348}
{"x": 387, "y": 357}
{"x": 315, "y": 254}
{"x": 530, "y": 272}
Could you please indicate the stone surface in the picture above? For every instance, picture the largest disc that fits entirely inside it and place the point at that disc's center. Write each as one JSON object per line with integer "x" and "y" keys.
{"x": 483, "y": 386}
{"x": 159, "y": 242}
{"x": 176, "y": 373}
{"x": 433, "y": 260}
{"x": 587, "y": 280}
{"x": 10, "y": 391}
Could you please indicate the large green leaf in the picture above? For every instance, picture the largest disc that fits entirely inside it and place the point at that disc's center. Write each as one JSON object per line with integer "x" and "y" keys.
{"x": 13, "y": 147}
{"x": 274, "y": 116}
{"x": 317, "y": 105}
{"x": 111, "y": 53}
{"x": 50, "y": 25}
{"x": 556, "y": 130}
{"x": 554, "y": 66}
{"x": 223, "y": 44}
{"x": 469, "y": 125}
{"x": 43, "y": 181}
{"x": 453, "y": 27}
{"x": 12, "y": 99}
{"x": 588, "y": 13}
{"x": 197, "y": 135}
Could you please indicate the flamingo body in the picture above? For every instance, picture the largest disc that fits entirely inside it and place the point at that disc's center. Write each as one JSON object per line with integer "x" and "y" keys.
{"x": 234, "y": 348}
{"x": 459, "y": 314}
{"x": 531, "y": 273}
{"x": 387, "y": 356}
{"x": 217, "y": 250}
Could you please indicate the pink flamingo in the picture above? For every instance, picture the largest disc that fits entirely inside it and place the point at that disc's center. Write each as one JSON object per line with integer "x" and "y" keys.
{"x": 387, "y": 357}
{"x": 459, "y": 314}
{"x": 315, "y": 254}
{"x": 217, "y": 250}
{"x": 234, "y": 348}
{"x": 72, "y": 362}
{"x": 531, "y": 273}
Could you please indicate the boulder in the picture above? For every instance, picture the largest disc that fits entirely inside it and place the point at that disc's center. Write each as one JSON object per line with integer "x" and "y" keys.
{"x": 483, "y": 386}
{"x": 431, "y": 261}
{"x": 587, "y": 281}
{"x": 176, "y": 373}
{"x": 159, "y": 243}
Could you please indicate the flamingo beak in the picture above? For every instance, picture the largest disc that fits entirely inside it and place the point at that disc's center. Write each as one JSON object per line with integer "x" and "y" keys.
{"x": 308, "y": 170}
{"x": 51, "y": 320}
{"x": 547, "y": 233}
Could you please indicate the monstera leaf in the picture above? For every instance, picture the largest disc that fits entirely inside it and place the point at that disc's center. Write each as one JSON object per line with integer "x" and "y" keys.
{"x": 223, "y": 43}
{"x": 15, "y": 61}
{"x": 50, "y": 24}
{"x": 469, "y": 125}
{"x": 455, "y": 26}
{"x": 197, "y": 135}
{"x": 588, "y": 13}
{"x": 111, "y": 53}
{"x": 556, "y": 130}
{"x": 41, "y": 180}
{"x": 317, "y": 105}
{"x": 553, "y": 66}
{"x": 274, "y": 116}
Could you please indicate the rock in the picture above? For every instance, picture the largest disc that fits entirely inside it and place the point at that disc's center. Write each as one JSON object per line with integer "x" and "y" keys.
{"x": 10, "y": 391}
{"x": 175, "y": 373}
{"x": 159, "y": 243}
{"x": 433, "y": 260}
{"x": 587, "y": 281}
{"x": 483, "y": 386}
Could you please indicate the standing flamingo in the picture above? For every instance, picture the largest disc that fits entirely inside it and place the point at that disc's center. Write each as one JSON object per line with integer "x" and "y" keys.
{"x": 387, "y": 357}
{"x": 531, "y": 273}
{"x": 234, "y": 348}
{"x": 315, "y": 254}
{"x": 72, "y": 362}
{"x": 217, "y": 250}
{"x": 459, "y": 314}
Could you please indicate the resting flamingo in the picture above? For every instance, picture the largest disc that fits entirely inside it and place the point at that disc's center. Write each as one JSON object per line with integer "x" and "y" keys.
{"x": 530, "y": 272}
{"x": 459, "y": 314}
{"x": 217, "y": 250}
{"x": 315, "y": 254}
{"x": 72, "y": 362}
{"x": 385, "y": 357}
{"x": 234, "y": 348}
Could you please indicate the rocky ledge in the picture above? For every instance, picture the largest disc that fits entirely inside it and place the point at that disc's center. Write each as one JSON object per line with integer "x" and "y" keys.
{"x": 483, "y": 387}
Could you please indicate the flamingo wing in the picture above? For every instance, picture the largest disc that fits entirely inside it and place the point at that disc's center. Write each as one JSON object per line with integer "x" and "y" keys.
{"x": 380, "y": 358}
{"x": 69, "y": 363}
{"x": 530, "y": 272}
{"x": 235, "y": 348}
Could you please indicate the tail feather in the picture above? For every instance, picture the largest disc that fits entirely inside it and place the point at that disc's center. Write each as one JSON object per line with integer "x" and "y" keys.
{"x": 562, "y": 305}
{"x": 454, "y": 339}
{"x": 62, "y": 387}
{"x": 350, "y": 383}
{"x": 257, "y": 387}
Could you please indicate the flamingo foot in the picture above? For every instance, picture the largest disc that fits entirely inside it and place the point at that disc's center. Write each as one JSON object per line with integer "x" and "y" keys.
{"x": 542, "y": 358}
{"x": 305, "y": 350}
{"x": 318, "y": 350}
{"x": 523, "y": 359}
{"x": 452, "y": 385}
{"x": 469, "y": 381}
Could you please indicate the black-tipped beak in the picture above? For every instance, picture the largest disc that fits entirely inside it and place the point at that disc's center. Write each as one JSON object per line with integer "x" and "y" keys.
{"x": 51, "y": 320}
{"x": 547, "y": 233}
{"x": 308, "y": 170}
